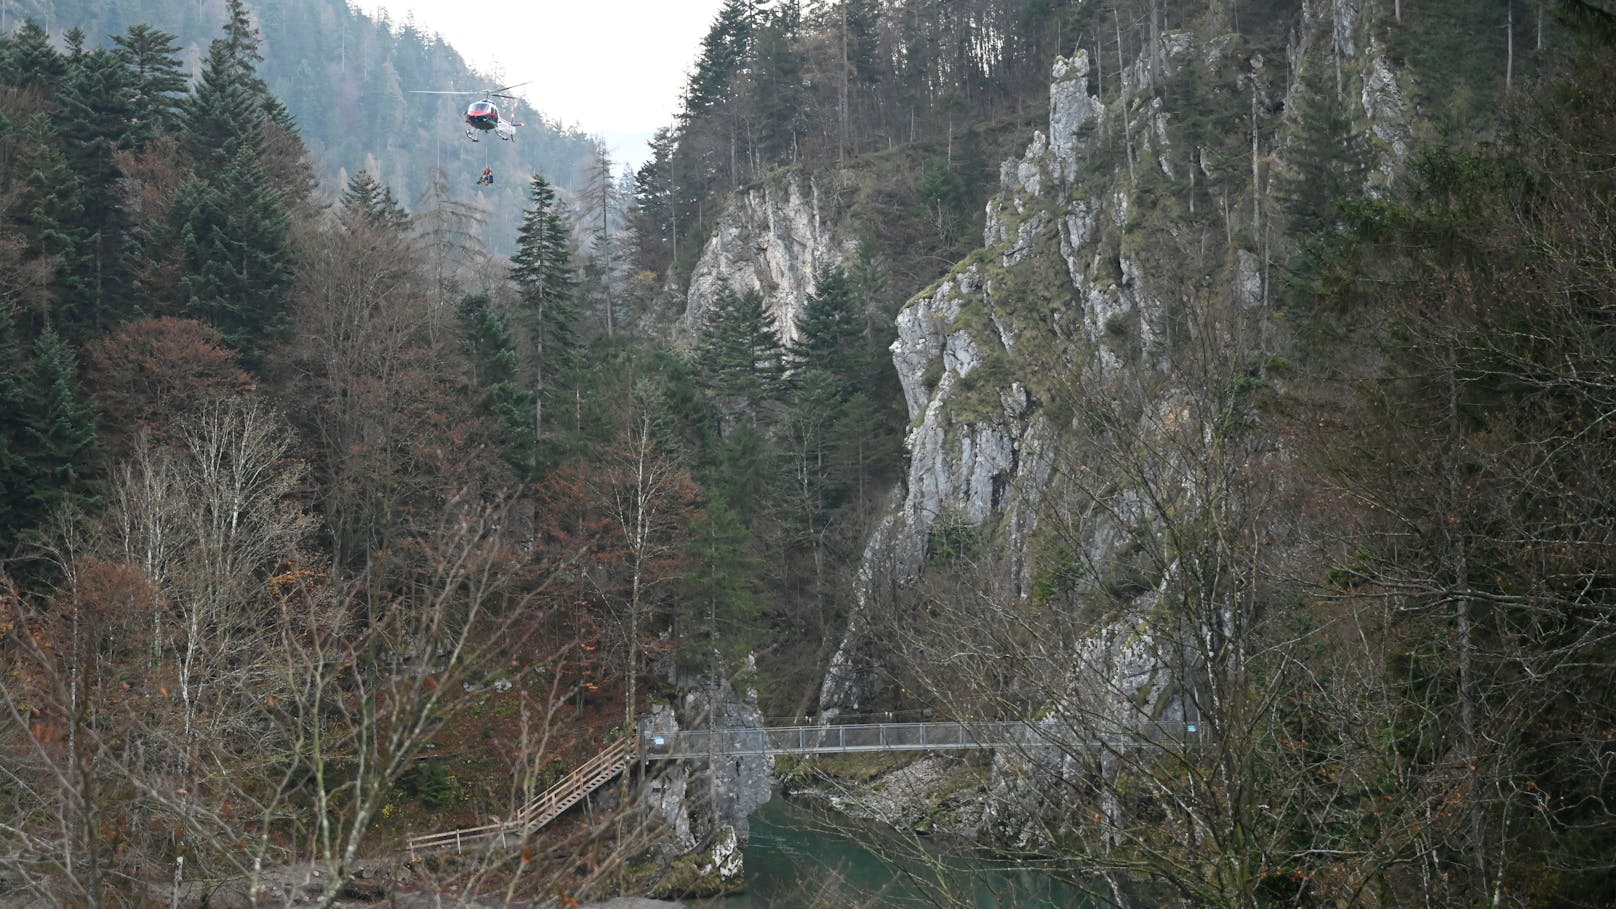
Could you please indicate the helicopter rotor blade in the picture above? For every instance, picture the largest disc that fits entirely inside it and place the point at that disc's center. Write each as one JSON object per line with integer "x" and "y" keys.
{"x": 501, "y": 91}
{"x": 414, "y": 91}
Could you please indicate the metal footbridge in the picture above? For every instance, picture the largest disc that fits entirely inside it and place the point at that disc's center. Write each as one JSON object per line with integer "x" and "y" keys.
{"x": 939, "y": 736}
{"x": 721, "y": 743}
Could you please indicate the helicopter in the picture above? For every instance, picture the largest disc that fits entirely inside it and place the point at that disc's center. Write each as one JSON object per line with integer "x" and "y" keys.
{"x": 483, "y": 115}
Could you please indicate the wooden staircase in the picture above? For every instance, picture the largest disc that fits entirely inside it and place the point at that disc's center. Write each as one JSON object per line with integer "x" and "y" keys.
{"x": 545, "y": 807}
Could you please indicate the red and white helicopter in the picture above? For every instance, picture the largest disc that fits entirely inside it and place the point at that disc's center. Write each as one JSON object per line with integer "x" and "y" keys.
{"x": 483, "y": 115}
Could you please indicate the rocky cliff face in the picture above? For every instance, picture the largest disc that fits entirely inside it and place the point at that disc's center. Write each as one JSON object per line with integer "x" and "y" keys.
{"x": 706, "y": 807}
{"x": 981, "y": 450}
{"x": 1111, "y": 241}
{"x": 1089, "y": 279}
{"x": 773, "y": 240}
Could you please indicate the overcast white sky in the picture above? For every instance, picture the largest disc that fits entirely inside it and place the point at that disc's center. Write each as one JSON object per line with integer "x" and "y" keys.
{"x": 613, "y": 68}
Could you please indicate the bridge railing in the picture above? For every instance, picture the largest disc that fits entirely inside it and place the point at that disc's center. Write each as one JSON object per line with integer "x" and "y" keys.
{"x": 937, "y": 736}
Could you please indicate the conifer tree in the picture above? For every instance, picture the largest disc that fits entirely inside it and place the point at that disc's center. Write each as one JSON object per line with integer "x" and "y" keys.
{"x": 830, "y": 335}
{"x": 740, "y": 355}
{"x": 450, "y": 231}
{"x": 543, "y": 274}
{"x": 827, "y": 424}
{"x": 777, "y": 95}
{"x": 95, "y": 96}
{"x": 724, "y": 54}
{"x": 720, "y": 588}
{"x": 14, "y": 481}
{"x": 1328, "y": 162}
{"x": 222, "y": 115}
{"x": 492, "y": 345}
{"x": 654, "y": 216}
{"x": 51, "y": 439}
{"x": 29, "y": 60}
{"x": 599, "y": 204}
{"x": 230, "y": 222}
{"x": 155, "y": 80}
{"x": 232, "y": 108}
{"x": 367, "y": 198}
{"x": 50, "y": 220}
{"x": 232, "y": 229}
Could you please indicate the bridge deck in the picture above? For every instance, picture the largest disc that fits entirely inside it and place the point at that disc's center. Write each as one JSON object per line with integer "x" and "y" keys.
{"x": 950, "y": 736}
{"x": 705, "y": 743}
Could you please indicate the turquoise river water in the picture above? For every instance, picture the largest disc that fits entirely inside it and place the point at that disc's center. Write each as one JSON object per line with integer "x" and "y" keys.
{"x": 798, "y": 859}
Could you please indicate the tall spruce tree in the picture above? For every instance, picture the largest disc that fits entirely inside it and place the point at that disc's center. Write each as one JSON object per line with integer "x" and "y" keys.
{"x": 451, "y": 232}
{"x": 777, "y": 95}
{"x": 543, "y": 274}
{"x": 230, "y": 222}
{"x": 14, "y": 480}
{"x": 740, "y": 356}
{"x": 653, "y": 219}
{"x": 155, "y": 79}
{"x": 719, "y": 591}
{"x": 830, "y": 334}
{"x": 368, "y": 199}
{"x": 724, "y": 55}
{"x": 51, "y": 444}
{"x": 1327, "y": 163}
{"x": 50, "y": 219}
{"x": 223, "y": 114}
{"x": 28, "y": 60}
{"x": 491, "y": 343}
{"x": 95, "y": 96}
{"x": 828, "y": 420}
{"x": 232, "y": 107}
{"x": 232, "y": 228}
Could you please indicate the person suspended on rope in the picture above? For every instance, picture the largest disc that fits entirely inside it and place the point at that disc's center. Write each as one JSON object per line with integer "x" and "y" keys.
{"x": 488, "y": 176}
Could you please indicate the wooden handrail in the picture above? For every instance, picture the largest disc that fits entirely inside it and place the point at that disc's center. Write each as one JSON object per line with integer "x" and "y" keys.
{"x": 544, "y": 808}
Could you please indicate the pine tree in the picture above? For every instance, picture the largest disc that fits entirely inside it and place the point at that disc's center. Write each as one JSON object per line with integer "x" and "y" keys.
{"x": 50, "y": 218}
{"x": 95, "y": 96}
{"x": 27, "y": 59}
{"x": 492, "y": 346}
{"x": 740, "y": 356}
{"x": 1328, "y": 161}
{"x": 155, "y": 79}
{"x": 232, "y": 228}
{"x": 543, "y": 274}
{"x": 830, "y": 335}
{"x": 51, "y": 440}
{"x": 367, "y": 198}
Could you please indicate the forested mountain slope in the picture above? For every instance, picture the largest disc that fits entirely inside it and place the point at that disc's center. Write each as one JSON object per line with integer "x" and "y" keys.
{"x": 1214, "y": 428}
{"x": 346, "y": 77}
{"x": 1222, "y": 390}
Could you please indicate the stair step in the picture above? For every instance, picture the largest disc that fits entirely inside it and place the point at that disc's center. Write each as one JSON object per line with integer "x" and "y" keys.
{"x": 547, "y": 806}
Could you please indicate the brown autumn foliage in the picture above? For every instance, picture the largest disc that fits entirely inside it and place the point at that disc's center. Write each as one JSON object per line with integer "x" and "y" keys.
{"x": 152, "y": 372}
{"x": 572, "y": 538}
